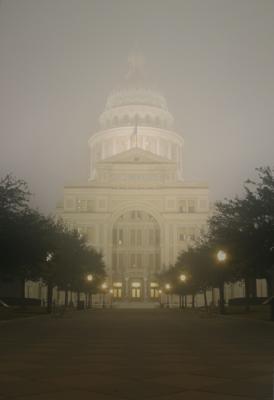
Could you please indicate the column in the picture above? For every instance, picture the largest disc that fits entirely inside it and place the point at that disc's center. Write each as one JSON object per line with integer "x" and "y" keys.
{"x": 126, "y": 291}
{"x": 145, "y": 288}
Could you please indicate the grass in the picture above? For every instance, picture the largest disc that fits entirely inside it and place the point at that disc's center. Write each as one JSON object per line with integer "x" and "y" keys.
{"x": 20, "y": 312}
{"x": 261, "y": 312}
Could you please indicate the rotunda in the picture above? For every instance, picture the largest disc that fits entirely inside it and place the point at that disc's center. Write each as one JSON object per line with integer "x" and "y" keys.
{"x": 135, "y": 115}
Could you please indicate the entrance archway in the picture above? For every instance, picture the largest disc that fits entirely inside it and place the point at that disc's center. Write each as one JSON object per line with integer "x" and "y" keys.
{"x": 135, "y": 253}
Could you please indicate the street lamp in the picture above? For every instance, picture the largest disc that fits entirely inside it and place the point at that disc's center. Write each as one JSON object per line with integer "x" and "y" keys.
{"x": 221, "y": 258}
{"x": 49, "y": 257}
{"x": 182, "y": 277}
{"x": 160, "y": 297}
{"x": 104, "y": 288}
{"x": 89, "y": 279}
{"x": 183, "y": 280}
{"x": 167, "y": 287}
{"x": 111, "y": 294}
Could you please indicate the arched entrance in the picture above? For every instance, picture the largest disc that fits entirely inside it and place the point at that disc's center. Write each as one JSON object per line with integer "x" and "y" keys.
{"x": 135, "y": 254}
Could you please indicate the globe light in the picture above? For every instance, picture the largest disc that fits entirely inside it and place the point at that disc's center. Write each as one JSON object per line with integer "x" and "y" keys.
{"x": 221, "y": 256}
{"x": 182, "y": 277}
{"x": 111, "y": 291}
{"x": 167, "y": 286}
{"x": 89, "y": 277}
{"x": 49, "y": 256}
{"x": 104, "y": 286}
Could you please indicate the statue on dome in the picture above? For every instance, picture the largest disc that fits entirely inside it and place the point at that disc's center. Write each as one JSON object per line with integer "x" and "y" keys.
{"x": 136, "y": 63}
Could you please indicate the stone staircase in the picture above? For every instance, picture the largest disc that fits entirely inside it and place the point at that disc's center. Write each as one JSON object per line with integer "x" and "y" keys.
{"x": 136, "y": 304}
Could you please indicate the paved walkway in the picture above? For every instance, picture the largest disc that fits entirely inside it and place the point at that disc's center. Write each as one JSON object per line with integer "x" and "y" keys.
{"x": 136, "y": 354}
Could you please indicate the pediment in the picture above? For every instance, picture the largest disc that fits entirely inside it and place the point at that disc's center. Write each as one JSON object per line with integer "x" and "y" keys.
{"x": 136, "y": 156}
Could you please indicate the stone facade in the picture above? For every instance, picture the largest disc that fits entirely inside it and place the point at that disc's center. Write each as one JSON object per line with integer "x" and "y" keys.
{"x": 136, "y": 208}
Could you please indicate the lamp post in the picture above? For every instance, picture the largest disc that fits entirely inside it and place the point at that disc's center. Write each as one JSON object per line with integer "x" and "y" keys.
{"x": 160, "y": 297}
{"x": 49, "y": 257}
{"x": 183, "y": 280}
{"x": 104, "y": 288}
{"x": 89, "y": 280}
{"x": 221, "y": 258}
{"x": 111, "y": 294}
{"x": 167, "y": 287}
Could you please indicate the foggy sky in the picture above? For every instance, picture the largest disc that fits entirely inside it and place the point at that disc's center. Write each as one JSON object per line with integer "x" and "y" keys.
{"x": 59, "y": 60}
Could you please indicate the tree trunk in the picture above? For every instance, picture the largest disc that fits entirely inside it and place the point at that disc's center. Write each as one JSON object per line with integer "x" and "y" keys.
{"x": 66, "y": 297}
{"x": 270, "y": 285}
{"x": 213, "y": 297}
{"x": 49, "y": 297}
{"x": 78, "y": 299}
{"x": 222, "y": 297}
{"x": 205, "y": 298}
{"x": 253, "y": 287}
{"x": 23, "y": 288}
{"x": 247, "y": 294}
{"x": 193, "y": 301}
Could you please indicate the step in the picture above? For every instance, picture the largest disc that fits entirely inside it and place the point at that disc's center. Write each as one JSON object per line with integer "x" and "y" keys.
{"x": 135, "y": 304}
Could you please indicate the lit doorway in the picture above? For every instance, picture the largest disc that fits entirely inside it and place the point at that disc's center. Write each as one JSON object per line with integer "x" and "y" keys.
{"x": 135, "y": 290}
{"x": 117, "y": 290}
{"x": 154, "y": 290}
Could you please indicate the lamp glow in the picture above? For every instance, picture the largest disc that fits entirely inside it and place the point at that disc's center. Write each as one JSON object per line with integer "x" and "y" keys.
{"x": 221, "y": 255}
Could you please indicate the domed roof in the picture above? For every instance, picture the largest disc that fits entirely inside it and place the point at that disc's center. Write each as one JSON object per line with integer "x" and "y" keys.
{"x": 134, "y": 100}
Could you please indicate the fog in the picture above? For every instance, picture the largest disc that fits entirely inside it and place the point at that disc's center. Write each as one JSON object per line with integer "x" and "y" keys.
{"x": 212, "y": 59}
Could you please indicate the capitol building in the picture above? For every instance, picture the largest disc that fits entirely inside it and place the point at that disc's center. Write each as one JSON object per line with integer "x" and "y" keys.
{"x": 136, "y": 208}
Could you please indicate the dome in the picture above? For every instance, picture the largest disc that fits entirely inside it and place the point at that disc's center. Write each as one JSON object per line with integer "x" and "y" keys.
{"x": 135, "y": 102}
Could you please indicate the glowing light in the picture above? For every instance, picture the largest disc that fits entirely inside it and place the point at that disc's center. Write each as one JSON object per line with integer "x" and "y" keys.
{"x": 221, "y": 256}
{"x": 49, "y": 257}
{"x": 89, "y": 277}
{"x": 104, "y": 286}
{"x": 167, "y": 286}
{"x": 182, "y": 277}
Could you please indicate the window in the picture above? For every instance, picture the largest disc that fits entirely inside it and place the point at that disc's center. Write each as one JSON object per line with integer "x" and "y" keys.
{"x": 191, "y": 206}
{"x": 132, "y": 237}
{"x": 114, "y": 237}
{"x": 151, "y": 237}
{"x": 114, "y": 262}
{"x": 151, "y": 261}
{"x": 90, "y": 205}
{"x": 81, "y": 205}
{"x": 157, "y": 237}
{"x": 139, "y": 260}
{"x": 120, "y": 236}
{"x": 191, "y": 233}
{"x": 139, "y": 238}
{"x": 182, "y": 206}
{"x": 91, "y": 234}
{"x": 182, "y": 234}
{"x": 132, "y": 261}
